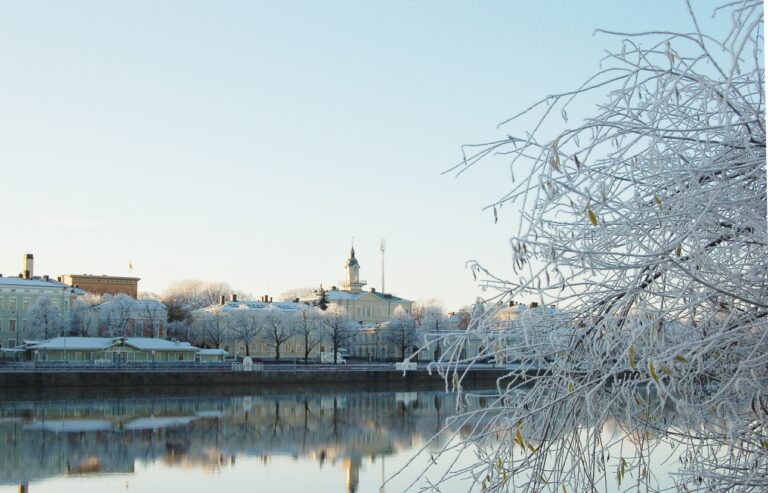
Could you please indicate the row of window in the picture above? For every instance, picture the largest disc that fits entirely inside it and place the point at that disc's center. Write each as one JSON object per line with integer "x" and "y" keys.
{"x": 37, "y": 291}
{"x": 10, "y": 325}
{"x": 25, "y": 302}
{"x": 370, "y": 312}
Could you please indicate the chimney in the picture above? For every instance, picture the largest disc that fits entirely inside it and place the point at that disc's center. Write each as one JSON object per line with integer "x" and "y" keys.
{"x": 233, "y": 297}
{"x": 222, "y": 299}
{"x": 511, "y": 303}
{"x": 29, "y": 263}
{"x": 373, "y": 290}
{"x": 533, "y": 304}
{"x": 270, "y": 299}
{"x": 46, "y": 278}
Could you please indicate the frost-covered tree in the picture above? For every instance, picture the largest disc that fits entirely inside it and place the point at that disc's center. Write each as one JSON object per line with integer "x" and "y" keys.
{"x": 401, "y": 331}
{"x": 45, "y": 320}
{"x": 191, "y": 294}
{"x": 307, "y": 327}
{"x": 153, "y": 315}
{"x": 116, "y": 313}
{"x": 213, "y": 328}
{"x": 278, "y": 329}
{"x": 81, "y": 322}
{"x": 245, "y": 326}
{"x": 645, "y": 223}
{"x": 433, "y": 322}
{"x": 337, "y": 328}
{"x": 179, "y": 330}
{"x": 296, "y": 294}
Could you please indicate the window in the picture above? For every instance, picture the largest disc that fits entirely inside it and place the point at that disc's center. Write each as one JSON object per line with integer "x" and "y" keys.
{"x": 11, "y": 343}
{"x": 12, "y": 303}
{"x": 11, "y": 325}
{"x": 27, "y": 301}
{"x": 1, "y": 303}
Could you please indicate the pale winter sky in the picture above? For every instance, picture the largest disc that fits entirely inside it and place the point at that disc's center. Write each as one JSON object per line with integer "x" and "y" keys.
{"x": 248, "y": 142}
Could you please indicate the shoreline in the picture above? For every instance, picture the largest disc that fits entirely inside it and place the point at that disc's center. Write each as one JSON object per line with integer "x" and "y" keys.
{"x": 272, "y": 377}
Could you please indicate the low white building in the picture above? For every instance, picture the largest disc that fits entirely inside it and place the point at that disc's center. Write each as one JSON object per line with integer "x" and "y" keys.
{"x": 110, "y": 350}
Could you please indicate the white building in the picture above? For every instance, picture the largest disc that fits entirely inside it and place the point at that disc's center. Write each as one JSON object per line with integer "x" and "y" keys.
{"x": 18, "y": 294}
{"x": 364, "y": 307}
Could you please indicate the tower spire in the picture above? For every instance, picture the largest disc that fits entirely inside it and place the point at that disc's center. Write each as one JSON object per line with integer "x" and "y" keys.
{"x": 352, "y": 281}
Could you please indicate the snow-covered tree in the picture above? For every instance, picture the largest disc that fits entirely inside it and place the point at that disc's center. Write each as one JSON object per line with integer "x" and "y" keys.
{"x": 433, "y": 322}
{"x": 45, "y": 320}
{"x": 646, "y": 224}
{"x": 179, "y": 330}
{"x": 245, "y": 326}
{"x": 277, "y": 329}
{"x": 116, "y": 312}
{"x": 296, "y": 293}
{"x": 153, "y": 315}
{"x": 190, "y": 294}
{"x": 213, "y": 328}
{"x": 81, "y": 321}
{"x": 401, "y": 331}
{"x": 307, "y": 327}
{"x": 337, "y": 328}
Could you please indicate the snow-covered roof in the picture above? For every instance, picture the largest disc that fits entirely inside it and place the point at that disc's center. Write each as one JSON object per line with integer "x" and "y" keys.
{"x": 158, "y": 422}
{"x": 99, "y": 343}
{"x": 152, "y": 344}
{"x": 75, "y": 343}
{"x": 136, "y": 304}
{"x": 283, "y": 306}
{"x": 344, "y": 295}
{"x": 70, "y": 425}
{"x": 33, "y": 283}
{"x": 339, "y": 295}
{"x": 212, "y": 352}
{"x": 388, "y": 297}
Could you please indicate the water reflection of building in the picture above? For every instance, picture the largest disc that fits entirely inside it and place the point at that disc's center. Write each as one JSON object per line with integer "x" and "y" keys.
{"x": 53, "y": 438}
{"x": 352, "y": 473}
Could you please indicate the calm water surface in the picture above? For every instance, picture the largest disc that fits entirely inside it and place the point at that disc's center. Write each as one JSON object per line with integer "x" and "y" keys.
{"x": 303, "y": 440}
{"x": 285, "y": 439}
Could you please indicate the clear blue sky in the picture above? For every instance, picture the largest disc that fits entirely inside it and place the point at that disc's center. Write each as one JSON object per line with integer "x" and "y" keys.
{"x": 248, "y": 142}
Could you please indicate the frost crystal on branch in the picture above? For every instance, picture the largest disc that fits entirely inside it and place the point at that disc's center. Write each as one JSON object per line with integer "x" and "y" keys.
{"x": 646, "y": 225}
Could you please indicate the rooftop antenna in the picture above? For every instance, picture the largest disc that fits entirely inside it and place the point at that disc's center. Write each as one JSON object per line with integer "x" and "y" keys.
{"x": 382, "y": 248}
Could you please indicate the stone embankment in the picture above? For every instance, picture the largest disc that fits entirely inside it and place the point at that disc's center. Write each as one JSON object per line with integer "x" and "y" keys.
{"x": 137, "y": 377}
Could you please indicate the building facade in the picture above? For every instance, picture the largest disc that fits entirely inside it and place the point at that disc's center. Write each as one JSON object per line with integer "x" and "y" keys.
{"x": 18, "y": 294}
{"x": 103, "y": 284}
{"x": 364, "y": 307}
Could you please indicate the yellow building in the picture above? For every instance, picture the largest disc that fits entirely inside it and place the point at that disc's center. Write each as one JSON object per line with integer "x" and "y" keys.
{"x": 103, "y": 284}
{"x": 366, "y": 307}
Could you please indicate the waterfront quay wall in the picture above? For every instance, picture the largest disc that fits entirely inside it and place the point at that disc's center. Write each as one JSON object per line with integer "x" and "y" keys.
{"x": 45, "y": 379}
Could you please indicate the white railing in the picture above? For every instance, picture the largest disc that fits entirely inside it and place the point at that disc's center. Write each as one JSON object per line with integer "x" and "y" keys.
{"x": 406, "y": 366}
{"x": 158, "y": 367}
{"x": 248, "y": 367}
